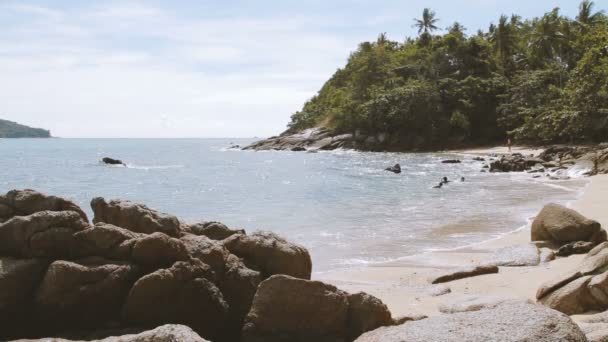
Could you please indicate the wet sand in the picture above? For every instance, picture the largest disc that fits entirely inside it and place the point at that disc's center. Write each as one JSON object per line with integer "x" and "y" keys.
{"x": 405, "y": 288}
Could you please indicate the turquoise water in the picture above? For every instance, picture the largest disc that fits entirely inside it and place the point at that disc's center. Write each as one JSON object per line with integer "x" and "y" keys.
{"x": 340, "y": 204}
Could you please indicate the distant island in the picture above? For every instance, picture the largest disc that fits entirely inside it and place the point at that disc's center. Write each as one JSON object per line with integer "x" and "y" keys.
{"x": 10, "y": 129}
{"x": 539, "y": 80}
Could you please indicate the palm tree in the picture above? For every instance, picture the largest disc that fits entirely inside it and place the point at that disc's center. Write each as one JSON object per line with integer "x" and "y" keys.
{"x": 457, "y": 28}
{"x": 585, "y": 15}
{"x": 503, "y": 38}
{"x": 427, "y": 23}
{"x": 546, "y": 36}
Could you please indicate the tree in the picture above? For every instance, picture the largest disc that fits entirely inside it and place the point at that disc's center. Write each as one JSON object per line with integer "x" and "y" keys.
{"x": 504, "y": 40}
{"x": 427, "y": 23}
{"x": 546, "y": 36}
{"x": 585, "y": 16}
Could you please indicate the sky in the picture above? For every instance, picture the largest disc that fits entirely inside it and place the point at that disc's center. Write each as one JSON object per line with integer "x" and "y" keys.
{"x": 197, "y": 68}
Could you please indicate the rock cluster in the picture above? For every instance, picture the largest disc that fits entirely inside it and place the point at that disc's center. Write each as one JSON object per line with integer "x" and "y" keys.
{"x": 554, "y": 159}
{"x": 138, "y": 268}
{"x": 583, "y": 289}
{"x": 515, "y": 162}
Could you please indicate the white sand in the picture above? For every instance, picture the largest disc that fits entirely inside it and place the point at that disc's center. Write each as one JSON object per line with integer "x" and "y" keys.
{"x": 404, "y": 286}
{"x": 525, "y": 150}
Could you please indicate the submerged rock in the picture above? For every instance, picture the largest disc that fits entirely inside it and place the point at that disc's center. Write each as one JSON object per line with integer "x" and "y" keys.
{"x": 394, "y": 169}
{"x": 516, "y": 322}
{"x": 112, "y": 161}
{"x": 451, "y": 161}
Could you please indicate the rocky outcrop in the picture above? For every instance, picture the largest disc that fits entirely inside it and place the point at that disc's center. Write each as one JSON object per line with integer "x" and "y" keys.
{"x": 582, "y": 289}
{"x": 271, "y": 254}
{"x": 515, "y": 162}
{"x": 212, "y": 230}
{"x": 134, "y": 217}
{"x": 321, "y": 138}
{"x": 134, "y": 268}
{"x": 561, "y": 225}
{"x": 26, "y": 202}
{"x": 516, "y": 322}
{"x": 317, "y": 138}
{"x": 463, "y": 272}
{"x": 319, "y": 312}
{"x": 168, "y": 332}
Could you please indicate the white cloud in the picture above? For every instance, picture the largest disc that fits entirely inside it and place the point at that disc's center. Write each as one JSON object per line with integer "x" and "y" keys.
{"x": 137, "y": 70}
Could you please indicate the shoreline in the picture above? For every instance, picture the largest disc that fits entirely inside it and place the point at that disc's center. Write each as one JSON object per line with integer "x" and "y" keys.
{"x": 403, "y": 285}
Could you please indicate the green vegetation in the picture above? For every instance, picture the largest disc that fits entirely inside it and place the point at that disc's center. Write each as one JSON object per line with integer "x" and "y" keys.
{"x": 9, "y": 129}
{"x": 539, "y": 80}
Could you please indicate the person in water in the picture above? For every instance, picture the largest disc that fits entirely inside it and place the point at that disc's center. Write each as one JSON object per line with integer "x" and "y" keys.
{"x": 445, "y": 180}
{"x": 462, "y": 179}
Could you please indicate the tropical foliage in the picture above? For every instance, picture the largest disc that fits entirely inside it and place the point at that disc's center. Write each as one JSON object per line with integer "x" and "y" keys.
{"x": 536, "y": 80}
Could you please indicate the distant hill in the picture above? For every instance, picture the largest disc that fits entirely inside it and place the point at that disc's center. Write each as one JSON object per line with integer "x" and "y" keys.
{"x": 10, "y": 129}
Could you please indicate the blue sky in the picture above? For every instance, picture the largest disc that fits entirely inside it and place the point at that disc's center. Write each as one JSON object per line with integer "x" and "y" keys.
{"x": 197, "y": 68}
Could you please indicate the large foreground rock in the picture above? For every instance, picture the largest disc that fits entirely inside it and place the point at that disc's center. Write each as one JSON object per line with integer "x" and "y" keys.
{"x": 505, "y": 323}
{"x": 26, "y": 202}
{"x": 168, "y": 333}
{"x": 18, "y": 281}
{"x": 109, "y": 241}
{"x": 42, "y": 234}
{"x": 463, "y": 272}
{"x": 583, "y": 289}
{"x": 135, "y": 217}
{"x": 271, "y": 254}
{"x": 291, "y": 309}
{"x": 180, "y": 294}
{"x": 68, "y": 287}
{"x": 562, "y": 225}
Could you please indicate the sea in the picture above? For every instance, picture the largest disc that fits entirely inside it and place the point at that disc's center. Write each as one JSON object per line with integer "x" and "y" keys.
{"x": 341, "y": 204}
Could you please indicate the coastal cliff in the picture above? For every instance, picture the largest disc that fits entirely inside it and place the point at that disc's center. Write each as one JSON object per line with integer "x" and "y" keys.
{"x": 539, "y": 80}
{"x": 10, "y": 129}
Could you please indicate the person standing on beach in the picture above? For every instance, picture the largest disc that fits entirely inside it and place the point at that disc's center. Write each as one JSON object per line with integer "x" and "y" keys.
{"x": 509, "y": 144}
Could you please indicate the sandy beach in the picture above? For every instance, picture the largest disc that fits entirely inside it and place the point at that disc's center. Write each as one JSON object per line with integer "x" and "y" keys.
{"x": 405, "y": 288}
